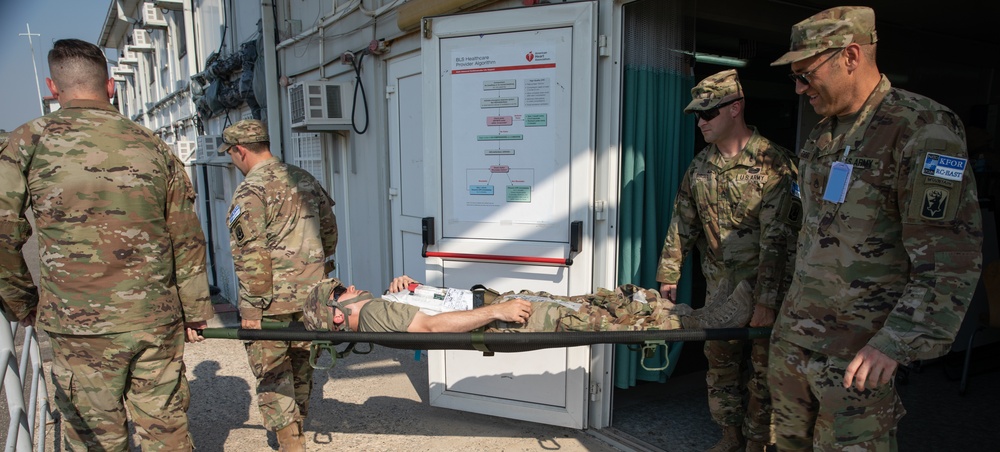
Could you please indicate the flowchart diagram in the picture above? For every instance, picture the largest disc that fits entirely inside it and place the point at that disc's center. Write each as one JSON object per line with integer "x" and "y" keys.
{"x": 504, "y": 136}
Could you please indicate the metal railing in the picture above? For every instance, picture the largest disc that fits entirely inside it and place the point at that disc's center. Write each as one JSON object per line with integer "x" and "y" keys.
{"x": 23, "y": 428}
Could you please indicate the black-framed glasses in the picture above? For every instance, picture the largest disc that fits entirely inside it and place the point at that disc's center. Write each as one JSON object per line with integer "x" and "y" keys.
{"x": 711, "y": 113}
{"x": 803, "y": 78}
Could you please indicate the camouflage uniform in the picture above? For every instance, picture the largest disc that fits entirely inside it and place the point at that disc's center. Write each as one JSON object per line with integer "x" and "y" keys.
{"x": 743, "y": 215}
{"x": 122, "y": 267}
{"x": 893, "y": 266}
{"x": 282, "y": 230}
{"x": 627, "y": 308}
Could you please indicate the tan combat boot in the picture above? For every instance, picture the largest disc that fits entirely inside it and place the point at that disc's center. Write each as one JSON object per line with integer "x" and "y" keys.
{"x": 725, "y": 310}
{"x": 756, "y": 446}
{"x": 732, "y": 440}
{"x": 290, "y": 438}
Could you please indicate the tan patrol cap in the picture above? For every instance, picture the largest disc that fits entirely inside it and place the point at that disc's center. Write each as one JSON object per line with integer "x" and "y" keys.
{"x": 714, "y": 90}
{"x": 244, "y": 132}
{"x": 834, "y": 28}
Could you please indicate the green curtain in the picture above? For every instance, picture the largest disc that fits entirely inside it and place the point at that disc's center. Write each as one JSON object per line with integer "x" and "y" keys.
{"x": 657, "y": 147}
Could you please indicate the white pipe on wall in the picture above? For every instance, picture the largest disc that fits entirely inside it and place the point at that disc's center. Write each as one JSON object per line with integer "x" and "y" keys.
{"x": 271, "y": 78}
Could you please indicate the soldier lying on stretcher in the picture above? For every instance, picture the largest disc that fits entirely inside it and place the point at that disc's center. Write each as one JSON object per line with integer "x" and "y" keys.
{"x": 414, "y": 308}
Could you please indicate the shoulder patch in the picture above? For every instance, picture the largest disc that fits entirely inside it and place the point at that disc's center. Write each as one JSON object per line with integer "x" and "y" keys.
{"x": 935, "y": 203}
{"x": 944, "y": 166}
{"x": 239, "y": 234}
{"x": 234, "y": 215}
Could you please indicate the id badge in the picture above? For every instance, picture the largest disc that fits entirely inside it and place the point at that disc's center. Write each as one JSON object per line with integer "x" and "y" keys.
{"x": 838, "y": 182}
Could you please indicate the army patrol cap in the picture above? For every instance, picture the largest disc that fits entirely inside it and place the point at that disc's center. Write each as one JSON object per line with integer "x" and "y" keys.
{"x": 244, "y": 132}
{"x": 714, "y": 90}
{"x": 316, "y": 313}
{"x": 834, "y": 28}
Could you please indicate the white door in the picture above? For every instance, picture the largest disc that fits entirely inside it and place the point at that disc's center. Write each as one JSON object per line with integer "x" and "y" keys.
{"x": 509, "y": 158}
{"x": 406, "y": 164}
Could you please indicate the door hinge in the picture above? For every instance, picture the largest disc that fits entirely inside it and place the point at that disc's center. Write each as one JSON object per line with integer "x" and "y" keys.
{"x": 389, "y": 90}
{"x": 602, "y": 46}
{"x": 595, "y": 391}
{"x": 425, "y": 26}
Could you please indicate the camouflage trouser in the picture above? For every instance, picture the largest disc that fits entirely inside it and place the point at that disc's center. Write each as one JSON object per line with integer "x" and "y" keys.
{"x": 813, "y": 410}
{"x": 284, "y": 377}
{"x": 97, "y": 377}
{"x": 727, "y": 390}
{"x": 627, "y": 308}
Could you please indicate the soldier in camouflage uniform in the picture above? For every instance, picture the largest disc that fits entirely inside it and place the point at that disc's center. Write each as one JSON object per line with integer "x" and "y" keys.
{"x": 283, "y": 235}
{"x": 738, "y": 204}
{"x": 122, "y": 259}
{"x": 331, "y": 307}
{"x": 890, "y": 250}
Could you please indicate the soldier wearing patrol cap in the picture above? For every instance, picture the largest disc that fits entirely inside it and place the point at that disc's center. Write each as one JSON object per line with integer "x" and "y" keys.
{"x": 737, "y": 203}
{"x": 890, "y": 250}
{"x": 283, "y": 236}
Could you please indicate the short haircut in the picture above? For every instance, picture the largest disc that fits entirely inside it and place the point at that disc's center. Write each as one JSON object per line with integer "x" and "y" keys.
{"x": 257, "y": 147}
{"x": 870, "y": 51}
{"x": 76, "y": 65}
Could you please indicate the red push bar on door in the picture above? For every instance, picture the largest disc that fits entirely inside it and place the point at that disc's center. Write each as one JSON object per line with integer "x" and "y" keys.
{"x": 576, "y": 236}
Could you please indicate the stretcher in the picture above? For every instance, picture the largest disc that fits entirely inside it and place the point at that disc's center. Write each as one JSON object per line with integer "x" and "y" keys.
{"x": 488, "y": 343}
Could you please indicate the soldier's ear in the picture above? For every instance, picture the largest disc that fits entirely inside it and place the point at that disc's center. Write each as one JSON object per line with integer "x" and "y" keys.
{"x": 52, "y": 87}
{"x": 111, "y": 88}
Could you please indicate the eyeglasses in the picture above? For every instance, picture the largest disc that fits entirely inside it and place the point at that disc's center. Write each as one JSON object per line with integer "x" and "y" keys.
{"x": 803, "y": 78}
{"x": 710, "y": 114}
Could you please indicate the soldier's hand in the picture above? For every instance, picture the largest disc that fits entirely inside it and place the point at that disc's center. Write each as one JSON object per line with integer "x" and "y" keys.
{"x": 250, "y": 324}
{"x": 191, "y": 331}
{"x": 668, "y": 291}
{"x": 762, "y": 316}
{"x": 869, "y": 368}
{"x": 399, "y": 283}
{"x": 515, "y": 310}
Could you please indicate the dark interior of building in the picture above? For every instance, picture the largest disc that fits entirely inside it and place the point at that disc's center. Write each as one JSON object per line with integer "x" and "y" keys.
{"x": 944, "y": 50}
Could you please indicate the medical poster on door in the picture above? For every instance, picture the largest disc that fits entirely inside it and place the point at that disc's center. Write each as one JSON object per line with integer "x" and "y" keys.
{"x": 505, "y": 102}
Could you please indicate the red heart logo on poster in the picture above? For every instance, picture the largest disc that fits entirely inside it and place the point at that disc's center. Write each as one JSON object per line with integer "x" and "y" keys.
{"x": 530, "y": 56}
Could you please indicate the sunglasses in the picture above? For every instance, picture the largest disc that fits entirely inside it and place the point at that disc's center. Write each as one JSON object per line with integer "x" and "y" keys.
{"x": 803, "y": 78}
{"x": 710, "y": 114}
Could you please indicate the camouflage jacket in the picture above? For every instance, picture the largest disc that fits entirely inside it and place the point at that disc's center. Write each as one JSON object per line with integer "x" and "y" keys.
{"x": 121, "y": 248}
{"x": 895, "y": 265}
{"x": 281, "y": 231}
{"x": 743, "y": 214}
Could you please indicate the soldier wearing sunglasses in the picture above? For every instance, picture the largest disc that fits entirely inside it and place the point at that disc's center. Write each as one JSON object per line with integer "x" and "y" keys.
{"x": 891, "y": 244}
{"x": 738, "y": 204}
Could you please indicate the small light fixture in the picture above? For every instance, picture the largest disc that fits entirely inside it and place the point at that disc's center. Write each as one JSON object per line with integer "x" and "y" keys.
{"x": 720, "y": 60}
{"x": 714, "y": 59}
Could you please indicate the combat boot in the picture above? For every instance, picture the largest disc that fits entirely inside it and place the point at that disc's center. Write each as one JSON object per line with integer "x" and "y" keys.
{"x": 725, "y": 310}
{"x": 291, "y": 439}
{"x": 732, "y": 440}
{"x": 756, "y": 446}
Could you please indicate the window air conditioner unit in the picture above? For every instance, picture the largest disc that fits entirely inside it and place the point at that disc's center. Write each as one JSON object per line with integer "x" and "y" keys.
{"x": 208, "y": 146}
{"x": 141, "y": 41}
{"x": 152, "y": 18}
{"x": 185, "y": 150}
{"x": 319, "y": 105}
{"x": 173, "y": 5}
{"x": 128, "y": 56}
